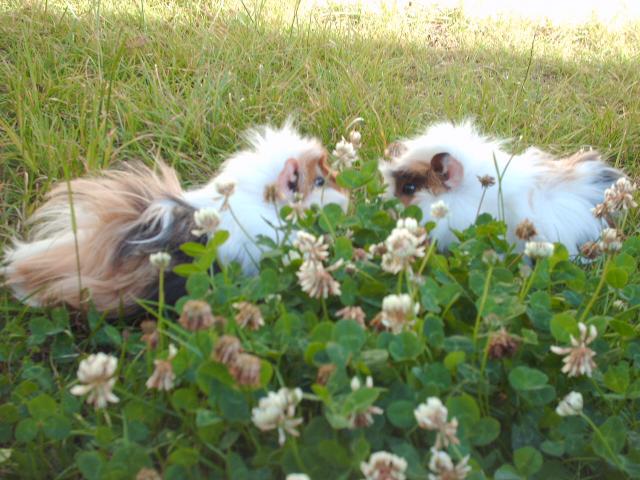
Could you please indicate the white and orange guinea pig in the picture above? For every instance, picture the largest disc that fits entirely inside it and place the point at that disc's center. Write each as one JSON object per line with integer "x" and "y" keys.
{"x": 444, "y": 164}
{"x": 123, "y": 216}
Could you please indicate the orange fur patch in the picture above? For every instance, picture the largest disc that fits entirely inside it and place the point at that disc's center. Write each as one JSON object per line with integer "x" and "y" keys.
{"x": 565, "y": 170}
{"x": 55, "y": 265}
{"x": 312, "y": 165}
{"x": 422, "y": 176}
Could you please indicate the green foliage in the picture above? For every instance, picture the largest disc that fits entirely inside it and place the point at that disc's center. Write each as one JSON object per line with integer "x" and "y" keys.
{"x": 503, "y": 403}
{"x": 78, "y": 94}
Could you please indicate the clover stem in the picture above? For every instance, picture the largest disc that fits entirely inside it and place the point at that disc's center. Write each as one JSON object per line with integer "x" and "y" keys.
{"x": 484, "y": 191}
{"x": 476, "y": 327}
{"x": 253, "y": 439}
{"x": 275, "y": 207}
{"x": 457, "y": 451}
{"x": 324, "y": 309}
{"x": 594, "y": 297}
{"x": 600, "y": 392}
{"x": 597, "y": 431}
{"x": 483, "y": 300}
{"x": 485, "y": 356}
{"x": 624, "y": 222}
{"x": 107, "y": 417}
{"x": 161, "y": 308}
{"x": 423, "y": 265}
{"x": 529, "y": 281}
{"x": 296, "y": 454}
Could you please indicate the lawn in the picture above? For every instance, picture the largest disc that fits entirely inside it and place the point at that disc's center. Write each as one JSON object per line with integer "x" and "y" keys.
{"x": 85, "y": 85}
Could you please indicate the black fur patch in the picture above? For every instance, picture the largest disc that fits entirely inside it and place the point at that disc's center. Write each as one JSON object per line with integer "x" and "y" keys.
{"x": 607, "y": 177}
{"x": 177, "y": 232}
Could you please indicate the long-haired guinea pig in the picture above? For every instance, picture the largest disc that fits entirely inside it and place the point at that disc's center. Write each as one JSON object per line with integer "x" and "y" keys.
{"x": 446, "y": 162}
{"x": 122, "y": 216}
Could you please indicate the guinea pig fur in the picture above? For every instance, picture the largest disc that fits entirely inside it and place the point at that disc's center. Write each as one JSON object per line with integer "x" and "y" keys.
{"x": 445, "y": 163}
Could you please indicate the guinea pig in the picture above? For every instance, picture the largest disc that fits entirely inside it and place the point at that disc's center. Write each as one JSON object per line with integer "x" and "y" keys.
{"x": 451, "y": 162}
{"x": 122, "y": 216}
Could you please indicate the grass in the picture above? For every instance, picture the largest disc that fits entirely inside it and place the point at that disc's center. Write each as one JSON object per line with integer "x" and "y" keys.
{"x": 84, "y": 85}
{"x": 87, "y": 84}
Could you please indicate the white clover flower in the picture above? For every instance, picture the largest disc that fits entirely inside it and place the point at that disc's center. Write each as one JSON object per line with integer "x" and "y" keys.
{"x": 398, "y": 312}
{"x": 538, "y": 249}
{"x": 623, "y": 184}
{"x": 353, "y": 313}
{"x": 163, "y": 377}
{"x": 96, "y": 373}
{"x": 148, "y": 474}
{"x": 433, "y": 415}
{"x": 248, "y": 316}
{"x": 570, "y": 405}
{"x": 246, "y": 370}
{"x": 160, "y": 260}
{"x": 290, "y": 257}
{"x": 197, "y": 315}
{"x": 298, "y": 476}
{"x": 620, "y": 305}
{"x": 277, "y": 411}
{"x": 345, "y": 153}
{"x": 490, "y": 257}
{"x": 403, "y": 246}
{"x": 298, "y": 211}
{"x": 384, "y": 466}
{"x": 526, "y": 230}
{"x": 316, "y": 280}
{"x": 610, "y": 240}
{"x": 227, "y": 349}
{"x": 618, "y": 197}
{"x": 410, "y": 224}
{"x": 312, "y": 247}
{"x": 443, "y": 468}
{"x": 355, "y": 384}
{"x": 578, "y": 358}
{"x": 439, "y": 209}
{"x": 363, "y": 418}
{"x": 355, "y": 138}
{"x": 486, "y": 181}
{"x": 207, "y": 220}
{"x": 226, "y": 189}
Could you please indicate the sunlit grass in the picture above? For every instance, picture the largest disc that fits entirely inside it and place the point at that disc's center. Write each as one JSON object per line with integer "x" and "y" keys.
{"x": 86, "y": 84}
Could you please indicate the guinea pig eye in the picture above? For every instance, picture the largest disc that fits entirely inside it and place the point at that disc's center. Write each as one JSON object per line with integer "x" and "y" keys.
{"x": 409, "y": 188}
{"x": 319, "y": 181}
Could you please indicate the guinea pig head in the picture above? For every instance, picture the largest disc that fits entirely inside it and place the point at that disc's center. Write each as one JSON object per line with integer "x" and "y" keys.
{"x": 417, "y": 176}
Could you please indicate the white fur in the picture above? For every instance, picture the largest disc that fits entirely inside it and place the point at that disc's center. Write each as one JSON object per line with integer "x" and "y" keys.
{"x": 252, "y": 170}
{"x": 559, "y": 209}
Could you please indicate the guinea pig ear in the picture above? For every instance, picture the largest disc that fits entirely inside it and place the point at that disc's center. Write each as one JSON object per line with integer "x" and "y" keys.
{"x": 395, "y": 150}
{"x": 448, "y": 168}
{"x": 325, "y": 167}
{"x": 289, "y": 178}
